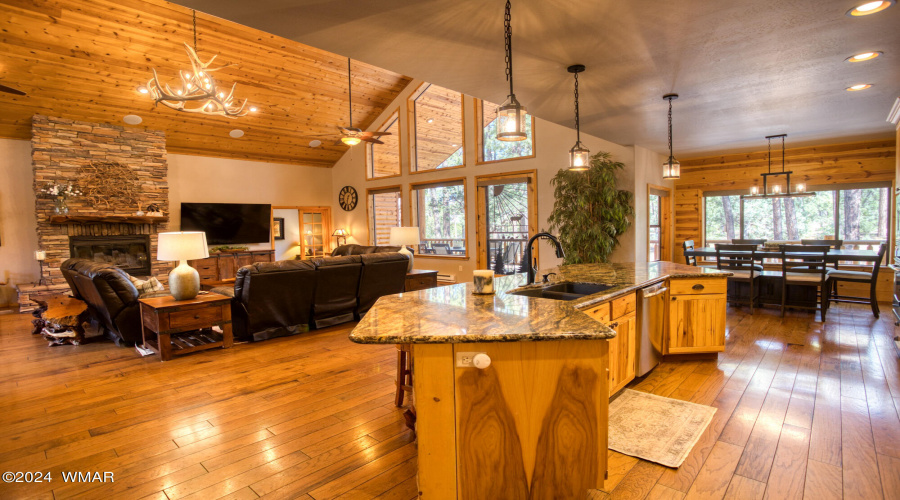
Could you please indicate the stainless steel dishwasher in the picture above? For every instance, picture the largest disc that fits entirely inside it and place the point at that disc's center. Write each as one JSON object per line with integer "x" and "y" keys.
{"x": 651, "y": 313}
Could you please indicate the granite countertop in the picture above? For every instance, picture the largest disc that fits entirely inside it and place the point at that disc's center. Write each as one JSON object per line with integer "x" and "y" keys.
{"x": 453, "y": 314}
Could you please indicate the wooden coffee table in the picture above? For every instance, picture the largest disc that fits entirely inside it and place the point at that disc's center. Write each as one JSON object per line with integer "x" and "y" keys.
{"x": 176, "y": 327}
{"x": 60, "y": 319}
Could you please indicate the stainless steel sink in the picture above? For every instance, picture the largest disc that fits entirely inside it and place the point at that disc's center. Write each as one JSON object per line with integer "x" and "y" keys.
{"x": 563, "y": 291}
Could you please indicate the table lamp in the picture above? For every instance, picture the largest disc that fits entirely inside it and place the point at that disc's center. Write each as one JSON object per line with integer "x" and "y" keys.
{"x": 181, "y": 246}
{"x": 403, "y": 236}
{"x": 340, "y": 233}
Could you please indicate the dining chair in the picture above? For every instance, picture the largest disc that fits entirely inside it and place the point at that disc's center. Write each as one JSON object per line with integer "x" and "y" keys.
{"x": 834, "y": 244}
{"x": 740, "y": 260}
{"x": 441, "y": 248}
{"x": 871, "y": 277}
{"x": 805, "y": 265}
{"x": 742, "y": 241}
{"x": 691, "y": 260}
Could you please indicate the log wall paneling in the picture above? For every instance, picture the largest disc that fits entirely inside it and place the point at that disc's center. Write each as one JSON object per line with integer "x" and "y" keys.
{"x": 383, "y": 211}
{"x": 688, "y": 219}
{"x": 84, "y": 61}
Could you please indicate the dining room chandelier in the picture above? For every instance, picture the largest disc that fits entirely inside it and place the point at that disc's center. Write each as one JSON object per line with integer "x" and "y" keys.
{"x": 198, "y": 92}
{"x": 579, "y": 155}
{"x": 671, "y": 167}
{"x": 510, "y": 114}
{"x": 776, "y": 191}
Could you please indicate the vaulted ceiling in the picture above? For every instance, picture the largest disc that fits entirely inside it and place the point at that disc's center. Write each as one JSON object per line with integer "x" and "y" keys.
{"x": 744, "y": 69}
{"x": 85, "y": 59}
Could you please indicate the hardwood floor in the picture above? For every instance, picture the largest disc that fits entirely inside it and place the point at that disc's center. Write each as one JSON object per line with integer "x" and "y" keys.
{"x": 805, "y": 410}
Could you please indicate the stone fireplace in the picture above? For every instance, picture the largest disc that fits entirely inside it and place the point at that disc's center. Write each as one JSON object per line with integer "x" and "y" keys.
{"x": 61, "y": 149}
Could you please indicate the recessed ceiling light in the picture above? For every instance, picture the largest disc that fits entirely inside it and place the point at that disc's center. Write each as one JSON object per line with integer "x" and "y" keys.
{"x": 859, "y": 86}
{"x": 315, "y": 143}
{"x": 870, "y": 8}
{"x": 430, "y": 120}
{"x": 132, "y": 119}
{"x": 865, "y": 56}
{"x": 253, "y": 109}
{"x": 236, "y": 133}
{"x": 143, "y": 90}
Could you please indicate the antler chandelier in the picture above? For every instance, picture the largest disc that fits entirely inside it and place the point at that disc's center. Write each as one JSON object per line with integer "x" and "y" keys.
{"x": 198, "y": 92}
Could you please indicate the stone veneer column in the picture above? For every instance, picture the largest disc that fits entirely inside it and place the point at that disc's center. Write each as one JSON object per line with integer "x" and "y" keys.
{"x": 60, "y": 148}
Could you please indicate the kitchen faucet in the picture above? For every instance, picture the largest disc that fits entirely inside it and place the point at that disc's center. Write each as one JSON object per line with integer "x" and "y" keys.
{"x": 527, "y": 266}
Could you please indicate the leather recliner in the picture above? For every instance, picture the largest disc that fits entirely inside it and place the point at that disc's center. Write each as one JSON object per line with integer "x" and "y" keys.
{"x": 354, "y": 249}
{"x": 111, "y": 297}
{"x": 382, "y": 274}
{"x": 336, "y": 292}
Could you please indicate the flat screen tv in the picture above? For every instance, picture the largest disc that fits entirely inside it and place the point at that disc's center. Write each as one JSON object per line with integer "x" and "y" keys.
{"x": 228, "y": 223}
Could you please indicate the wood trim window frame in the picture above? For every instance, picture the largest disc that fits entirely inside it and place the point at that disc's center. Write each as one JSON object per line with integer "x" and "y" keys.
{"x": 666, "y": 222}
{"x": 393, "y": 119}
{"x": 414, "y": 214}
{"x": 479, "y": 138}
{"x": 397, "y": 188}
{"x": 481, "y": 260}
{"x": 411, "y": 156}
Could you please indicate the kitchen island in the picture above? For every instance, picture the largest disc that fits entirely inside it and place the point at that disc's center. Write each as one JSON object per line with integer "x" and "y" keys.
{"x": 511, "y": 390}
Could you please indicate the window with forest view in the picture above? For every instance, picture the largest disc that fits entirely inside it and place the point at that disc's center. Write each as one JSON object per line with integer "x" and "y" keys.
{"x": 493, "y": 149}
{"x": 439, "y": 210}
{"x": 654, "y": 250}
{"x": 385, "y": 212}
{"x": 437, "y": 129}
{"x": 857, "y": 216}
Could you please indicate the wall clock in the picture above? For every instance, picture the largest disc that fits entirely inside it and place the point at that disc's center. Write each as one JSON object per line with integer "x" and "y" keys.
{"x": 348, "y": 198}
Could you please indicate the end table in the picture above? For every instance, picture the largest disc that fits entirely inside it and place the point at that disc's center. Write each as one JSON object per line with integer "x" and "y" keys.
{"x": 175, "y": 327}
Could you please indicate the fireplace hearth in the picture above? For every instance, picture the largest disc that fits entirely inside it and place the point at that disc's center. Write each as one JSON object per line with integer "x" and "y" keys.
{"x": 130, "y": 253}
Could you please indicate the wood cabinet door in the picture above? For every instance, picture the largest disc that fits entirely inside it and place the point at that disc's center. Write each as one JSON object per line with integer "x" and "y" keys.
{"x": 533, "y": 424}
{"x": 696, "y": 324}
{"x": 226, "y": 267}
{"x": 244, "y": 259}
{"x": 267, "y": 256}
{"x": 622, "y": 353}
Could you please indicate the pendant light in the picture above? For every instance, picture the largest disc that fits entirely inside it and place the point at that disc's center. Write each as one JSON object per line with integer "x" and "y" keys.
{"x": 511, "y": 114}
{"x": 671, "y": 167}
{"x": 776, "y": 191}
{"x": 579, "y": 156}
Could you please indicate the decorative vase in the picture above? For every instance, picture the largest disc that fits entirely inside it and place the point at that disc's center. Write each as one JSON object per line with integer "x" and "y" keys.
{"x": 60, "y": 206}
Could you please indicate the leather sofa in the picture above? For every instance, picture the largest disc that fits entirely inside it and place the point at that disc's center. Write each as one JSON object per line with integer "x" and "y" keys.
{"x": 110, "y": 296}
{"x": 275, "y": 299}
{"x": 354, "y": 249}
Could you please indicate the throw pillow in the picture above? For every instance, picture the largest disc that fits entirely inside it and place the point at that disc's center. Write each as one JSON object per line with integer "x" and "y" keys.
{"x": 150, "y": 285}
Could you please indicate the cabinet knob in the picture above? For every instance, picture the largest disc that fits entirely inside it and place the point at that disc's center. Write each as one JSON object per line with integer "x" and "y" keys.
{"x": 196, "y": 316}
{"x": 673, "y": 299}
{"x": 698, "y": 286}
{"x": 481, "y": 361}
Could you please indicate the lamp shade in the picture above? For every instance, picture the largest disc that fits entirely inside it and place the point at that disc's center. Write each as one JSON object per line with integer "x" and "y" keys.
{"x": 182, "y": 245}
{"x": 402, "y": 236}
{"x": 340, "y": 232}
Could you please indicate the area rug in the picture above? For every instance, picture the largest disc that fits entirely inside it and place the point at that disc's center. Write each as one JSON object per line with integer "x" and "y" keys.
{"x": 655, "y": 428}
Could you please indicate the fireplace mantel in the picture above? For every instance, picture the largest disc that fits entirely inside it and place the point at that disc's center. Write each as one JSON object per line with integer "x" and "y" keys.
{"x": 106, "y": 219}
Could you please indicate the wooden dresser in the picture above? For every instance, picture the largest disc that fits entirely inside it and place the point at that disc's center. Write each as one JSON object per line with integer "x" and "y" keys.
{"x": 224, "y": 266}
{"x": 420, "y": 279}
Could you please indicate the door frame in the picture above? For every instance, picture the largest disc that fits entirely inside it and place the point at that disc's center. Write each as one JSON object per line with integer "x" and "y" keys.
{"x": 481, "y": 260}
{"x": 665, "y": 223}
{"x": 326, "y": 223}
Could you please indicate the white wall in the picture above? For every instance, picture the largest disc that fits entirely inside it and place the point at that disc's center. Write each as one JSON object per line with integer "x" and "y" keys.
{"x": 18, "y": 226}
{"x": 648, "y": 170}
{"x": 552, "y": 148}
{"x": 202, "y": 179}
{"x": 288, "y": 248}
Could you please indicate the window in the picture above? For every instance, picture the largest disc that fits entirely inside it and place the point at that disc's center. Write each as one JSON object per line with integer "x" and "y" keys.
{"x": 857, "y": 215}
{"x": 436, "y": 131}
{"x": 507, "y": 216}
{"x": 489, "y": 148}
{"x": 654, "y": 251}
{"x": 384, "y": 159}
{"x": 383, "y": 209}
{"x": 439, "y": 210}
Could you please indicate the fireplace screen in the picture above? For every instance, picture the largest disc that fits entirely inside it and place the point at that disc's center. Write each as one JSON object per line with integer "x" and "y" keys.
{"x": 129, "y": 253}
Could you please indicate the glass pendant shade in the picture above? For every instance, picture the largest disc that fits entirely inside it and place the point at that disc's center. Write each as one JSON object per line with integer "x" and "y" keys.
{"x": 671, "y": 169}
{"x": 579, "y": 158}
{"x": 350, "y": 141}
{"x": 511, "y": 120}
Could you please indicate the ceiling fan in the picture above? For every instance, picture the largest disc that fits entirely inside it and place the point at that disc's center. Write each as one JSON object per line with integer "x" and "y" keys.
{"x": 10, "y": 90}
{"x": 350, "y": 135}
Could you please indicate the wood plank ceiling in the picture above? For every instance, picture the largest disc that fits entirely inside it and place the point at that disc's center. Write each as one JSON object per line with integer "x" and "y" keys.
{"x": 84, "y": 61}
